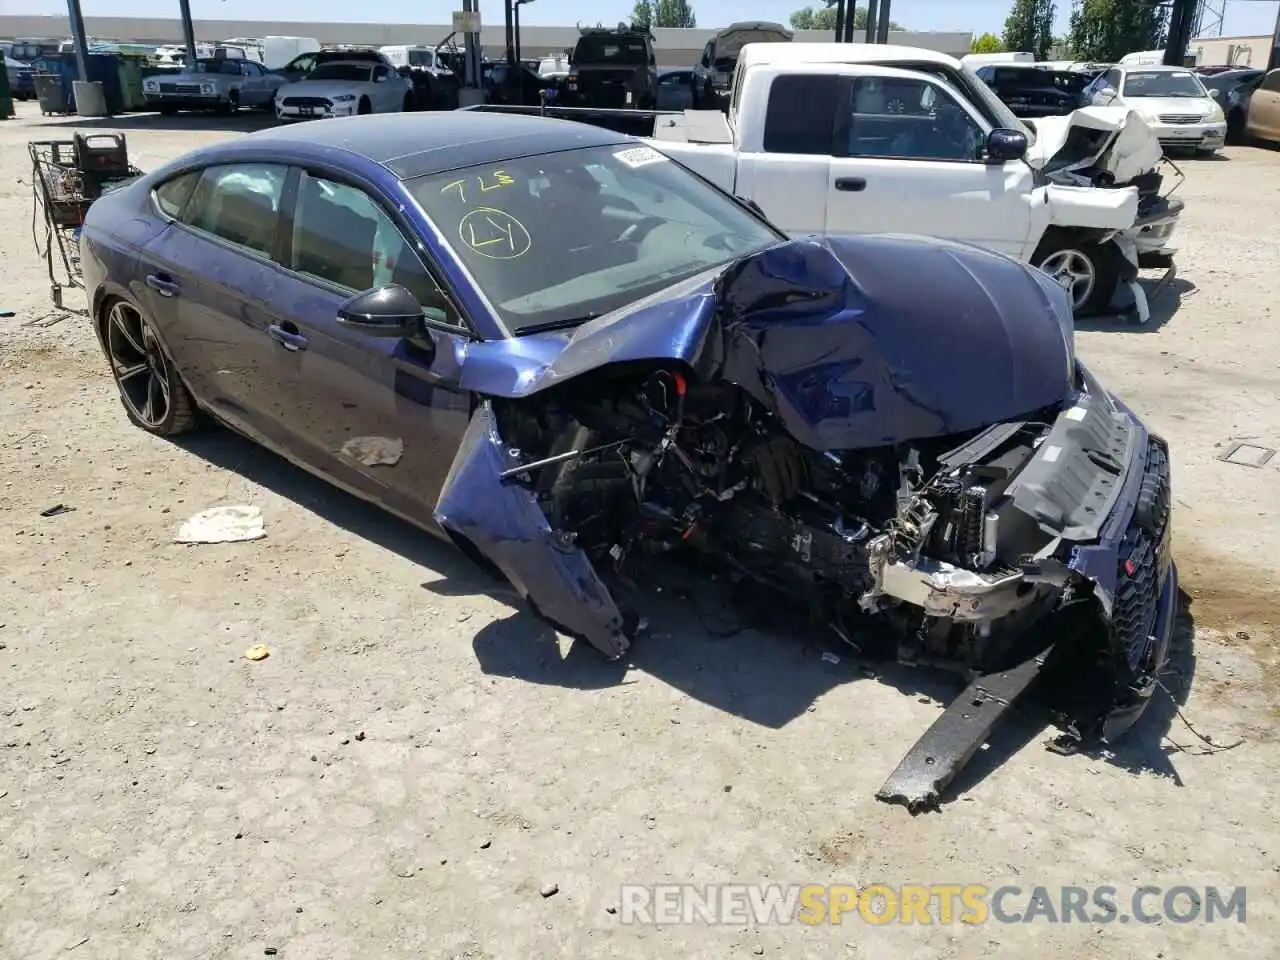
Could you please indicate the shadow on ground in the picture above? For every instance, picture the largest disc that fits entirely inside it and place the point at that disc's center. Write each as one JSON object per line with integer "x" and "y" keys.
{"x": 1164, "y": 300}
{"x": 246, "y": 121}
{"x": 726, "y": 647}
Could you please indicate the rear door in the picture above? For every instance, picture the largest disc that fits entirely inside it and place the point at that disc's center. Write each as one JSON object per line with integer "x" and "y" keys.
{"x": 784, "y": 164}
{"x": 381, "y": 415}
{"x": 909, "y": 158}
{"x": 212, "y": 280}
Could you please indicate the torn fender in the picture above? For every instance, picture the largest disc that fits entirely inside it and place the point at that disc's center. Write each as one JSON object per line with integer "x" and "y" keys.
{"x": 507, "y": 526}
{"x": 1091, "y": 207}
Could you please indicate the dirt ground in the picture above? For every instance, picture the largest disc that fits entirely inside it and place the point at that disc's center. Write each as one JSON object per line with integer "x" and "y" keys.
{"x": 416, "y": 760}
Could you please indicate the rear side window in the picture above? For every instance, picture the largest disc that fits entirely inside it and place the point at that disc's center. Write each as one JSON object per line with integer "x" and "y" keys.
{"x": 172, "y": 195}
{"x": 240, "y": 203}
{"x": 1272, "y": 81}
{"x": 801, "y": 114}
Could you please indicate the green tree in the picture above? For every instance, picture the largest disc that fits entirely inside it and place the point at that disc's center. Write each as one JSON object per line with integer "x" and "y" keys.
{"x": 1029, "y": 27}
{"x": 1105, "y": 30}
{"x": 642, "y": 15}
{"x": 987, "y": 43}
{"x": 673, "y": 13}
{"x": 824, "y": 18}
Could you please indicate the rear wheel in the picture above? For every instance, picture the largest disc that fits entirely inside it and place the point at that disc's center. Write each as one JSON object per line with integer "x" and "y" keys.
{"x": 153, "y": 394}
{"x": 365, "y": 106}
{"x": 1088, "y": 271}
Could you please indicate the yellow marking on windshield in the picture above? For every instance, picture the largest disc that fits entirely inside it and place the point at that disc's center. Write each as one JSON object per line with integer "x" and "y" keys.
{"x": 494, "y": 234}
{"x": 500, "y": 179}
{"x": 459, "y": 185}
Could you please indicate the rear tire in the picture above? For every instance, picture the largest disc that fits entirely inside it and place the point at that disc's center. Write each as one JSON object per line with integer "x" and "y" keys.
{"x": 365, "y": 106}
{"x": 151, "y": 390}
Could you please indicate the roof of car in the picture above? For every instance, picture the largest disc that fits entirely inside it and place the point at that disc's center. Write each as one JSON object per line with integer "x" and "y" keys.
{"x": 800, "y": 53}
{"x": 417, "y": 144}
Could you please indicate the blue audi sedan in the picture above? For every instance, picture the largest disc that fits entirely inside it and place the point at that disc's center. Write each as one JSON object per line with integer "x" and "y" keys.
{"x": 580, "y": 361}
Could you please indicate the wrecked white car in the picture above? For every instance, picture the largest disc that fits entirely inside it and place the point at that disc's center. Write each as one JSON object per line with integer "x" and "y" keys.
{"x": 851, "y": 138}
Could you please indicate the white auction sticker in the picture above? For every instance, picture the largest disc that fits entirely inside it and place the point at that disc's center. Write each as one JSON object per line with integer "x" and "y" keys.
{"x": 639, "y": 156}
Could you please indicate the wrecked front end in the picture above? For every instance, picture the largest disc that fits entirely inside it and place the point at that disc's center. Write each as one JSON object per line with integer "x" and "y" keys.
{"x": 927, "y": 471}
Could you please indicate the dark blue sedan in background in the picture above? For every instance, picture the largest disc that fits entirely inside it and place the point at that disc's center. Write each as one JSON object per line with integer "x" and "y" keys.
{"x": 576, "y": 358}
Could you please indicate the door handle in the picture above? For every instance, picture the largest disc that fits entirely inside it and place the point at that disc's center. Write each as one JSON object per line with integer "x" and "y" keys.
{"x": 287, "y": 335}
{"x": 163, "y": 284}
{"x": 851, "y": 184}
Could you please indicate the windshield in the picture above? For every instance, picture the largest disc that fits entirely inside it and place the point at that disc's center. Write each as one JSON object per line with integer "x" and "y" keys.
{"x": 629, "y": 51}
{"x": 1162, "y": 83}
{"x": 230, "y": 67}
{"x": 995, "y": 109}
{"x": 568, "y": 236}
{"x": 422, "y": 58}
{"x": 341, "y": 71}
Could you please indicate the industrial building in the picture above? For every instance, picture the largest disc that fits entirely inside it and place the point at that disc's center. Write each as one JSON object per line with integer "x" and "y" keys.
{"x": 674, "y": 47}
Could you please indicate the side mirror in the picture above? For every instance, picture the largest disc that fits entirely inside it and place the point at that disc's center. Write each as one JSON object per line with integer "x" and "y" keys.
{"x": 1215, "y": 95}
{"x": 1004, "y": 145}
{"x": 388, "y": 311}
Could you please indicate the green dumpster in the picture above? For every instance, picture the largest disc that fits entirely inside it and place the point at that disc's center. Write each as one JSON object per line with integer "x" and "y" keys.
{"x": 131, "y": 84}
{"x": 6, "y": 96}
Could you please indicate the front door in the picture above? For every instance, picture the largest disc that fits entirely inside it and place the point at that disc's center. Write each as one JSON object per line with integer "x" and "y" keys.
{"x": 909, "y": 159}
{"x": 382, "y": 415}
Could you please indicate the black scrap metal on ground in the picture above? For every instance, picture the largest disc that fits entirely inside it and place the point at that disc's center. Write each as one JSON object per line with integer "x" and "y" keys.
{"x": 957, "y": 735}
{"x": 66, "y": 177}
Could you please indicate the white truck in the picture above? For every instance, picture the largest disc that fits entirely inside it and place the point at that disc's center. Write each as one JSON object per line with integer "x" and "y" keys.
{"x": 868, "y": 138}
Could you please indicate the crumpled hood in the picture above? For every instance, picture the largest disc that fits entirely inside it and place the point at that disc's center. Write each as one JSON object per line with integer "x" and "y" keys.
{"x": 1124, "y": 144}
{"x": 837, "y": 335}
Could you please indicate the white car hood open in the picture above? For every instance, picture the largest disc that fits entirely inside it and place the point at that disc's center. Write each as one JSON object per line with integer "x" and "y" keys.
{"x": 327, "y": 89}
{"x": 1127, "y": 148}
{"x": 731, "y": 40}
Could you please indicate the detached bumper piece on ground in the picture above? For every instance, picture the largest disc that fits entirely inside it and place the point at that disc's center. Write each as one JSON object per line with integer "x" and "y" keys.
{"x": 985, "y": 507}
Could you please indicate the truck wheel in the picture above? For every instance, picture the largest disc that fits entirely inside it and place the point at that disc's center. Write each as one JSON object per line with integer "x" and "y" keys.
{"x": 1087, "y": 270}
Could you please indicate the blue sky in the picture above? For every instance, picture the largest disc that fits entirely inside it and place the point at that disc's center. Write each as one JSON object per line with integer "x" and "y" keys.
{"x": 1243, "y": 17}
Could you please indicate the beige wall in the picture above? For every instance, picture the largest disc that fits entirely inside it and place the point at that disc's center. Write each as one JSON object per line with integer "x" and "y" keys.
{"x": 1234, "y": 51}
{"x": 675, "y": 47}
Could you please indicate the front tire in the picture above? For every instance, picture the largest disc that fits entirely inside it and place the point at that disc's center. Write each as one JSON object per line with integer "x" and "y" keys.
{"x": 1087, "y": 270}
{"x": 152, "y": 392}
{"x": 365, "y": 106}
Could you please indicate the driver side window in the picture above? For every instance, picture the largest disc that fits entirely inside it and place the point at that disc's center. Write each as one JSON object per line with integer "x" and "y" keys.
{"x": 342, "y": 236}
{"x": 904, "y": 118}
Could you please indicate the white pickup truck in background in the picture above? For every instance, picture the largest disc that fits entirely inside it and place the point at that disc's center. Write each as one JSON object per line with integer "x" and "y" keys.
{"x": 866, "y": 138}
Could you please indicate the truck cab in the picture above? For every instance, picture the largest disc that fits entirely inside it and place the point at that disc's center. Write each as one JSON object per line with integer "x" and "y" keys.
{"x": 612, "y": 69}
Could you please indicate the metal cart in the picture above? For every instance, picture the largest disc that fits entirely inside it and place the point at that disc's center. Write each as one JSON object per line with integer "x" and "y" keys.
{"x": 66, "y": 177}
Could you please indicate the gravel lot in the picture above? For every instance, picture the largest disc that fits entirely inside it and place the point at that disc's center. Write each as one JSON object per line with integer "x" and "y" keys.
{"x": 416, "y": 761}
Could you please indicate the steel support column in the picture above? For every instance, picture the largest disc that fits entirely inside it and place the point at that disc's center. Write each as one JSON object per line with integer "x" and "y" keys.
{"x": 1182, "y": 16}
{"x": 839, "y": 21}
{"x": 511, "y": 39}
{"x": 188, "y": 29}
{"x": 872, "y": 20}
{"x": 882, "y": 26}
{"x": 78, "y": 37}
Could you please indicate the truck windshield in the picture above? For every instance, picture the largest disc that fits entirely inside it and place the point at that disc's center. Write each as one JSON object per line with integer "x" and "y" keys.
{"x": 626, "y": 51}
{"x": 992, "y": 106}
{"x": 564, "y": 237}
{"x": 422, "y": 58}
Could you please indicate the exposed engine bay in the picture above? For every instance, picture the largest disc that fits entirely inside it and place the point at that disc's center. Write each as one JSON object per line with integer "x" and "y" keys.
{"x": 921, "y": 533}
{"x": 935, "y": 480}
